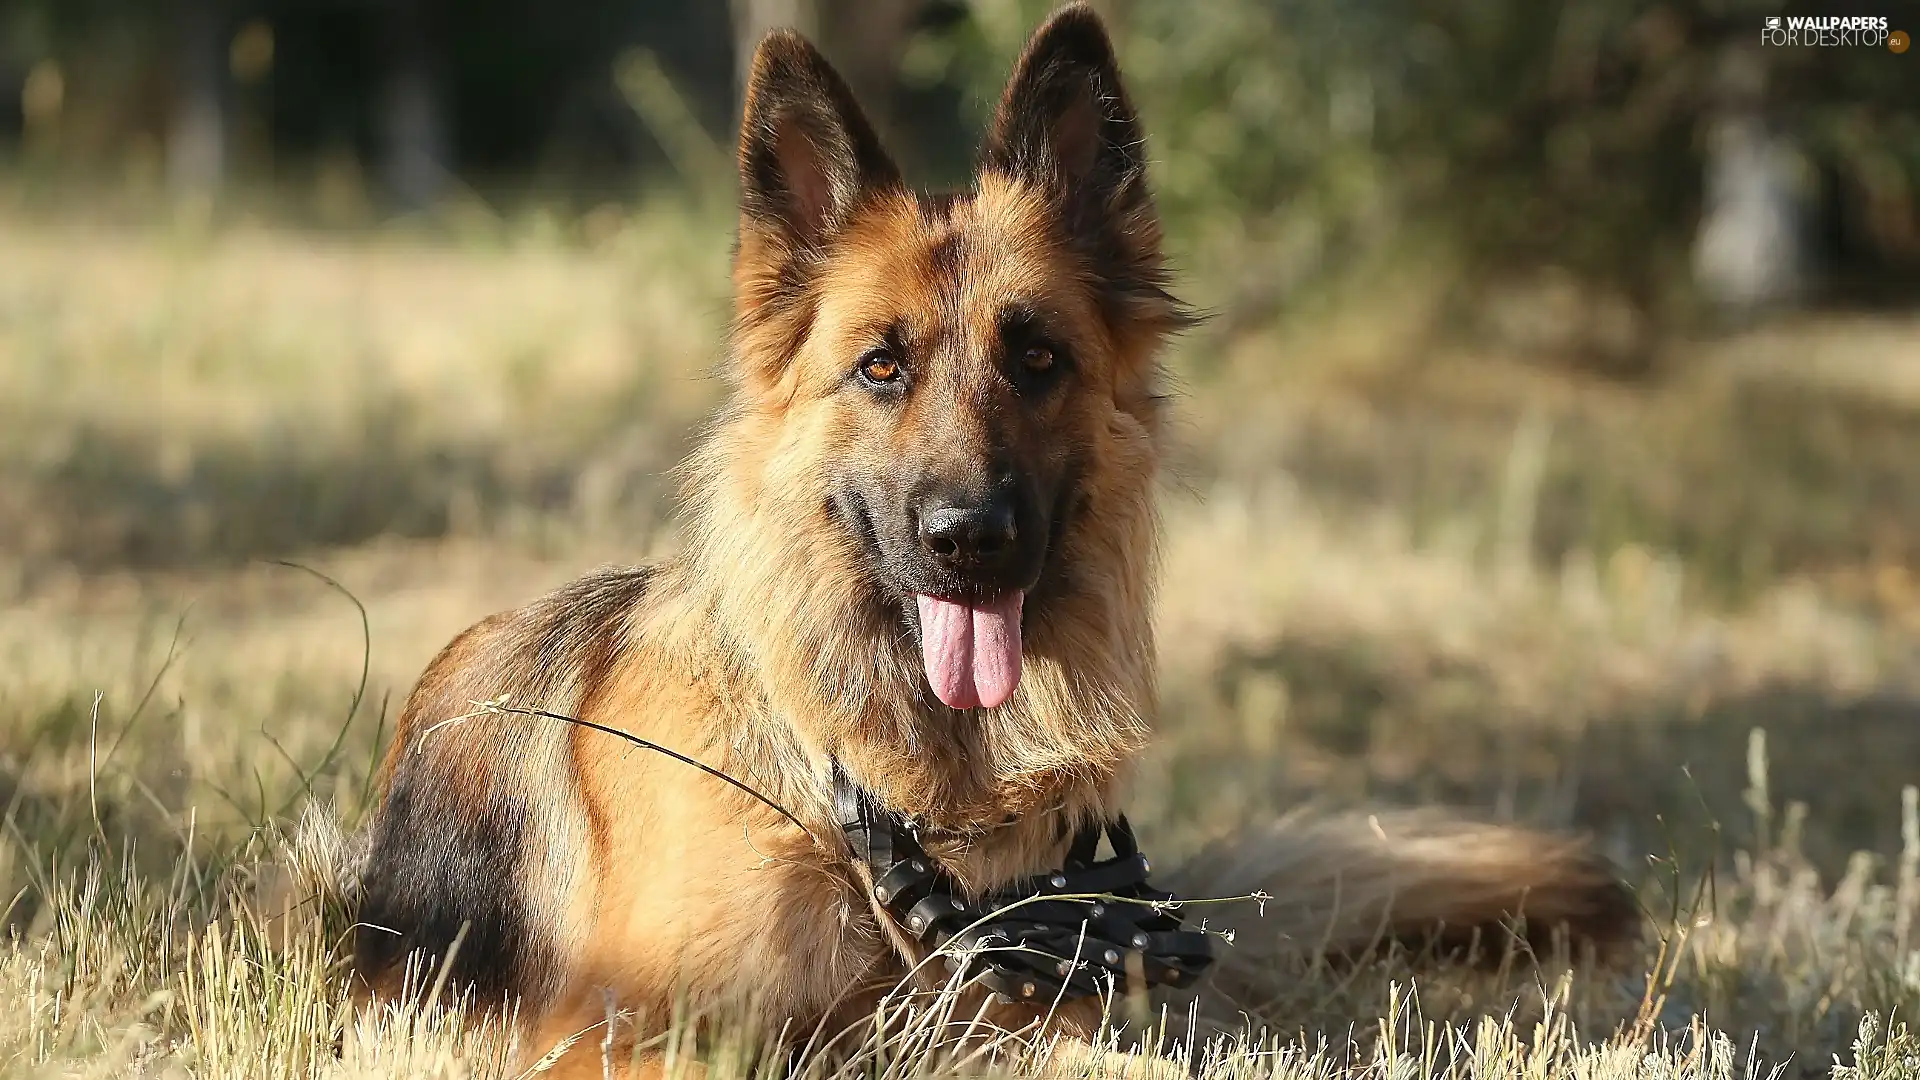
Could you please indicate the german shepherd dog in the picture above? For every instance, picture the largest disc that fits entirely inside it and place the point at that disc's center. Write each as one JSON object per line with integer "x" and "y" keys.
{"x": 919, "y": 563}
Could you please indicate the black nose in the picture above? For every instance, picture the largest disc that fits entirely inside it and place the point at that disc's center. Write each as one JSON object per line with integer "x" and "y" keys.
{"x": 963, "y": 532}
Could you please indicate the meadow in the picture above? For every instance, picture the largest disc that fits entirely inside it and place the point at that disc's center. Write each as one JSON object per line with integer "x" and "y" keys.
{"x": 251, "y": 477}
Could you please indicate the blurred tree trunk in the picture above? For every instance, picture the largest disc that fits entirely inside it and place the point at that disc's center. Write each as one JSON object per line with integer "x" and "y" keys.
{"x": 416, "y": 149}
{"x": 197, "y": 123}
{"x": 751, "y": 21}
{"x": 866, "y": 38}
{"x": 863, "y": 38}
{"x": 1750, "y": 252}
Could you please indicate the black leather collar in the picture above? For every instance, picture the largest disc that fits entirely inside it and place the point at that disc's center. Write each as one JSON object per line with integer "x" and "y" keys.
{"x": 1106, "y": 931}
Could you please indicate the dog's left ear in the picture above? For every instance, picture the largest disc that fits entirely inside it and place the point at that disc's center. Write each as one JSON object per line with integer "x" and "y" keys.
{"x": 808, "y": 157}
{"x": 1066, "y": 127}
{"x": 808, "y": 161}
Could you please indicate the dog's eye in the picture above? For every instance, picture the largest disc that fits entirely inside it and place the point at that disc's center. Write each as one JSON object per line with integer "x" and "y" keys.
{"x": 879, "y": 366}
{"x": 1037, "y": 358}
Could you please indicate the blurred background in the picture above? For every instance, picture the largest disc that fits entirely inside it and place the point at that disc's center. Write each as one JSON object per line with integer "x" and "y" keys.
{"x": 1553, "y": 448}
{"x": 1656, "y": 151}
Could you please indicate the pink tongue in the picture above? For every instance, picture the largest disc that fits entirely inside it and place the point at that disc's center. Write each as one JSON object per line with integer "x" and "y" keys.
{"x": 972, "y": 651}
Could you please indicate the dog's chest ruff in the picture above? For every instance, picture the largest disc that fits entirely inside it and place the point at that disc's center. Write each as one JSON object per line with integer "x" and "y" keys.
{"x": 1094, "y": 926}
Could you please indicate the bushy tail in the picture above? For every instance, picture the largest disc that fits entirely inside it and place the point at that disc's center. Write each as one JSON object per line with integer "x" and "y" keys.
{"x": 1351, "y": 884}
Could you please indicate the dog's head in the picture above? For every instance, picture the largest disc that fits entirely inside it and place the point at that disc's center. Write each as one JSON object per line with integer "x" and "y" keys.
{"x": 963, "y": 382}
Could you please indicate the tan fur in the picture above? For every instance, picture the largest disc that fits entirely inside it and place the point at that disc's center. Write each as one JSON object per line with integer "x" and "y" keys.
{"x": 765, "y": 651}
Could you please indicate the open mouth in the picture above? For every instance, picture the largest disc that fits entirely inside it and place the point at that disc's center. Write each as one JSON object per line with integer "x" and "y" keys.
{"x": 969, "y": 634}
{"x": 971, "y": 649}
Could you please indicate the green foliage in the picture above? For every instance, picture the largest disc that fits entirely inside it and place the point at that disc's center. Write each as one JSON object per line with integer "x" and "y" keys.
{"x": 1517, "y": 134}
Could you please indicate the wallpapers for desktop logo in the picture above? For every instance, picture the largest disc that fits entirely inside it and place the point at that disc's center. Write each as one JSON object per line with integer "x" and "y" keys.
{"x": 1833, "y": 31}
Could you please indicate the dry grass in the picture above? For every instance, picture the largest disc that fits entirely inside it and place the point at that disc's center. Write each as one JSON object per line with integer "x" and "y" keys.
{"x": 1396, "y": 570}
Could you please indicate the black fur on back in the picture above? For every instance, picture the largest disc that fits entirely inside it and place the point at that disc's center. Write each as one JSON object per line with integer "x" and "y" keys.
{"x": 434, "y": 874}
{"x": 470, "y": 805}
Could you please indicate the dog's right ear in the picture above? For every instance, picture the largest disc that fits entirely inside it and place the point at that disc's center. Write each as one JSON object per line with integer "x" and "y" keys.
{"x": 808, "y": 157}
{"x": 1066, "y": 128}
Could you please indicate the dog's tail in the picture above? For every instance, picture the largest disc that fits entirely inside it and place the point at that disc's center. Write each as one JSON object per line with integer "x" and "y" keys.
{"x": 1351, "y": 884}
